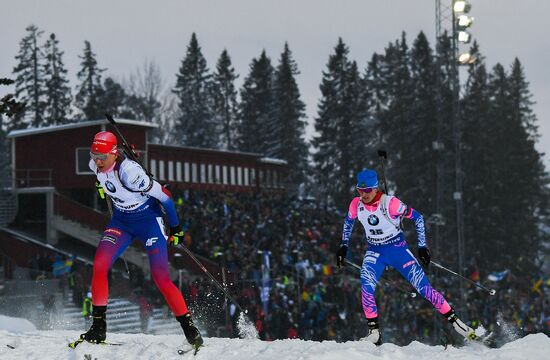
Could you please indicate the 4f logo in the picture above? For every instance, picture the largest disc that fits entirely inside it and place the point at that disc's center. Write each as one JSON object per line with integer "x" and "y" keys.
{"x": 151, "y": 241}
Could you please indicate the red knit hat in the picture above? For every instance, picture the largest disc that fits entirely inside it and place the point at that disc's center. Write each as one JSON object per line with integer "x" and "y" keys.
{"x": 105, "y": 142}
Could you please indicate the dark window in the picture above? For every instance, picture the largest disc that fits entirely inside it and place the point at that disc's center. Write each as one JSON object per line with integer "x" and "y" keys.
{"x": 82, "y": 161}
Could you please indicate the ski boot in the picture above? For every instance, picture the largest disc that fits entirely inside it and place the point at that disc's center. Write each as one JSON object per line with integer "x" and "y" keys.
{"x": 374, "y": 332}
{"x": 98, "y": 331}
{"x": 461, "y": 328}
{"x": 191, "y": 332}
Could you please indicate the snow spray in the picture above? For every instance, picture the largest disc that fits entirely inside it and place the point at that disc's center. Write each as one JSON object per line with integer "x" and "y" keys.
{"x": 247, "y": 330}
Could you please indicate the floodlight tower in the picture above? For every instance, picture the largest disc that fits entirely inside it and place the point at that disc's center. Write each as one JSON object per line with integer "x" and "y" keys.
{"x": 454, "y": 20}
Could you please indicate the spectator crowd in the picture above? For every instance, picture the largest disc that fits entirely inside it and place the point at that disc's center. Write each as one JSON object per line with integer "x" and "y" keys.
{"x": 309, "y": 298}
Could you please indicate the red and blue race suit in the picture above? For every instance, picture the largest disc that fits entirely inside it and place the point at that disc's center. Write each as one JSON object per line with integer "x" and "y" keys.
{"x": 137, "y": 214}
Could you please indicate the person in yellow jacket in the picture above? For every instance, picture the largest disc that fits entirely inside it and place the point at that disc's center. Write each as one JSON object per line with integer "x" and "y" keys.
{"x": 87, "y": 309}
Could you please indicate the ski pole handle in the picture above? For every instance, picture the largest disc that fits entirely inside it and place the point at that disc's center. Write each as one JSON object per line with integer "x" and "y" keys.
{"x": 382, "y": 154}
{"x": 491, "y": 291}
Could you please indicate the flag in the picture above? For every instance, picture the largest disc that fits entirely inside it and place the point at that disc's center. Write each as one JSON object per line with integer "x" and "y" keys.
{"x": 498, "y": 276}
{"x": 264, "y": 291}
{"x": 327, "y": 270}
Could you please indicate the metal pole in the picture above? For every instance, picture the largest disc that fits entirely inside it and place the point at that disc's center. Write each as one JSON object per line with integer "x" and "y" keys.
{"x": 491, "y": 291}
{"x": 438, "y": 148}
{"x": 457, "y": 128}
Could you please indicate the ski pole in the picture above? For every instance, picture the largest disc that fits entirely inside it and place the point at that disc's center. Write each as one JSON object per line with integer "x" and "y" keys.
{"x": 382, "y": 154}
{"x": 354, "y": 265}
{"x": 203, "y": 268}
{"x": 491, "y": 291}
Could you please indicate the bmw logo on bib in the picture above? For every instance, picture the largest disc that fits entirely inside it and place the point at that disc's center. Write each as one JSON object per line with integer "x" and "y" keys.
{"x": 373, "y": 220}
{"x": 111, "y": 187}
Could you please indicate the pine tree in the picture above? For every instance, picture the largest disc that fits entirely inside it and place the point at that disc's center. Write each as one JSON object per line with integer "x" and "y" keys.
{"x": 496, "y": 158}
{"x": 195, "y": 125}
{"x": 9, "y": 108}
{"x": 90, "y": 90}
{"x": 477, "y": 152}
{"x": 9, "y": 105}
{"x": 395, "y": 118}
{"x": 519, "y": 177}
{"x": 359, "y": 121}
{"x": 287, "y": 126}
{"x": 58, "y": 92}
{"x": 533, "y": 179}
{"x": 417, "y": 157}
{"x": 443, "y": 237}
{"x": 255, "y": 109}
{"x": 338, "y": 123}
{"x": 113, "y": 99}
{"x": 29, "y": 80}
{"x": 225, "y": 100}
{"x": 374, "y": 99}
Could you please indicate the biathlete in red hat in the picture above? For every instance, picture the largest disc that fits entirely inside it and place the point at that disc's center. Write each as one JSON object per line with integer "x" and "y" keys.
{"x": 137, "y": 213}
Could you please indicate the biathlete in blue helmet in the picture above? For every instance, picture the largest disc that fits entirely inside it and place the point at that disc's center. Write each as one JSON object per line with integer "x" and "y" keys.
{"x": 381, "y": 214}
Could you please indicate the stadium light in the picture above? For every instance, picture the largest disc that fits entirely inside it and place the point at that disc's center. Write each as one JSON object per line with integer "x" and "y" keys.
{"x": 464, "y": 21}
{"x": 464, "y": 37}
{"x": 461, "y": 6}
{"x": 466, "y": 59}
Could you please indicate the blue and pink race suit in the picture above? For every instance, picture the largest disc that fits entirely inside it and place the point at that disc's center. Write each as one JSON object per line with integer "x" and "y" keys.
{"x": 387, "y": 247}
{"x": 137, "y": 214}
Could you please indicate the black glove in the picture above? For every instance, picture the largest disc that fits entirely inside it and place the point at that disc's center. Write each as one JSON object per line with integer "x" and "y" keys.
{"x": 341, "y": 255}
{"x": 176, "y": 234}
{"x": 424, "y": 256}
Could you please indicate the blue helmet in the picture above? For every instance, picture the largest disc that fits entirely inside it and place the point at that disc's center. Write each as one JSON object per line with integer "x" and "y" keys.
{"x": 367, "y": 178}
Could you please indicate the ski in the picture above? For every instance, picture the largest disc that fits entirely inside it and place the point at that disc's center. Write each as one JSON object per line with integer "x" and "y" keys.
{"x": 74, "y": 344}
{"x": 487, "y": 339}
{"x": 10, "y": 346}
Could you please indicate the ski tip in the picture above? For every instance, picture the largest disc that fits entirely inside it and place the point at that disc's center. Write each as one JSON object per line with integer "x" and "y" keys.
{"x": 75, "y": 343}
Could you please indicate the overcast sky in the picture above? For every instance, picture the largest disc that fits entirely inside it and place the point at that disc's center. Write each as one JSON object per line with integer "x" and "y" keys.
{"x": 124, "y": 33}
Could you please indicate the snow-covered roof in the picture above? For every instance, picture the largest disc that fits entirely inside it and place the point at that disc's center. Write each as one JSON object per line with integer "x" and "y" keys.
{"x": 269, "y": 160}
{"x": 207, "y": 149}
{"x": 32, "y": 131}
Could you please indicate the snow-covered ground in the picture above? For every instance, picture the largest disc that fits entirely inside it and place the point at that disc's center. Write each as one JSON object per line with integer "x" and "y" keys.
{"x": 42, "y": 345}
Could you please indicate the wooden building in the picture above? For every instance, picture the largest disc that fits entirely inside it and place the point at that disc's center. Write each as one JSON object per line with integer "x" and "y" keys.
{"x": 58, "y": 156}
